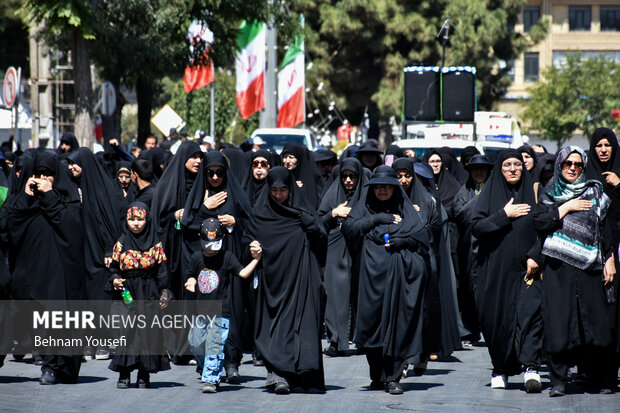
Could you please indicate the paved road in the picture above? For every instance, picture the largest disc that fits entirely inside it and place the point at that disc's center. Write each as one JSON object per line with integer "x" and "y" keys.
{"x": 460, "y": 384}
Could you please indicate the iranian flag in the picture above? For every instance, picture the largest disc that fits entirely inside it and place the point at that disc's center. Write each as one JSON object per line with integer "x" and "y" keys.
{"x": 291, "y": 87}
{"x": 197, "y": 74}
{"x": 250, "y": 68}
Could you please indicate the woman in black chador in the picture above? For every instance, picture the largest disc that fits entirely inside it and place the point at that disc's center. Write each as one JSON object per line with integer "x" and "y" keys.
{"x": 578, "y": 268}
{"x": 168, "y": 207}
{"x": 288, "y": 312}
{"x": 139, "y": 266}
{"x": 217, "y": 194}
{"x": 391, "y": 277}
{"x": 44, "y": 217}
{"x": 507, "y": 291}
{"x": 335, "y": 207}
{"x": 298, "y": 159}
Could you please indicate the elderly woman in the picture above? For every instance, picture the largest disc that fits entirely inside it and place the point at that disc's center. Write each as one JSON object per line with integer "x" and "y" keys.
{"x": 578, "y": 265}
{"x": 507, "y": 293}
{"x": 389, "y": 247}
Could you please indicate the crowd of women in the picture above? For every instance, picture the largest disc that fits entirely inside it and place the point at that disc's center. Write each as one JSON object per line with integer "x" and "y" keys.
{"x": 408, "y": 259}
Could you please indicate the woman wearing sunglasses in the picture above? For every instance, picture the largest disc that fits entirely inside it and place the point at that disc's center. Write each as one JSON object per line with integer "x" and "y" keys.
{"x": 217, "y": 194}
{"x": 578, "y": 268}
{"x": 255, "y": 180}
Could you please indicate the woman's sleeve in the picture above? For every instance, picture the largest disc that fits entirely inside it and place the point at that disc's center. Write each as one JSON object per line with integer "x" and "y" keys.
{"x": 482, "y": 226}
{"x": 546, "y": 219}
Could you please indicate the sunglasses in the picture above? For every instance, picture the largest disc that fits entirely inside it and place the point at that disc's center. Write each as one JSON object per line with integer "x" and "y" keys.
{"x": 384, "y": 186}
{"x": 260, "y": 164}
{"x": 352, "y": 177}
{"x": 568, "y": 164}
{"x": 216, "y": 172}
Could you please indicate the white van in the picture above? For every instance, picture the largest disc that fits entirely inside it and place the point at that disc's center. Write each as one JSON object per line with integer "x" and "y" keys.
{"x": 276, "y": 138}
{"x": 495, "y": 131}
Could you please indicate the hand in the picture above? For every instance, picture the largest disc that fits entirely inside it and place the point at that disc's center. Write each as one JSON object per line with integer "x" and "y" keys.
{"x": 397, "y": 244}
{"x": 178, "y": 215}
{"x": 577, "y": 204}
{"x": 107, "y": 261}
{"x": 118, "y": 283}
{"x": 611, "y": 178}
{"x": 214, "y": 201}
{"x": 227, "y": 220}
{"x": 28, "y": 189}
{"x": 341, "y": 210}
{"x": 516, "y": 210}
{"x": 44, "y": 184}
{"x": 609, "y": 270}
{"x": 417, "y": 208}
{"x": 397, "y": 219}
{"x": 299, "y": 183}
{"x": 382, "y": 218}
{"x": 113, "y": 142}
{"x": 532, "y": 268}
{"x": 256, "y": 250}
{"x": 190, "y": 285}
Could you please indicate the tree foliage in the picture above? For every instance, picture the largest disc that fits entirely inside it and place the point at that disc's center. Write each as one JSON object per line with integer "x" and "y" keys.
{"x": 360, "y": 47}
{"x": 577, "y": 95}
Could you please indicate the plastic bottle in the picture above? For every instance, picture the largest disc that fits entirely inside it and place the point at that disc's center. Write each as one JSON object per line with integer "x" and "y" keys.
{"x": 386, "y": 239}
{"x": 127, "y": 298}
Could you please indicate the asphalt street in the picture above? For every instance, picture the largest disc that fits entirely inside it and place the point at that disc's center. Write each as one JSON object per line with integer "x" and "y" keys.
{"x": 460, "y": 384}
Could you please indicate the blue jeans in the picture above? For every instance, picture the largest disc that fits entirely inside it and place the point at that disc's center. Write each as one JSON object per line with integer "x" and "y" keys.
{"x": 207, "y": 345}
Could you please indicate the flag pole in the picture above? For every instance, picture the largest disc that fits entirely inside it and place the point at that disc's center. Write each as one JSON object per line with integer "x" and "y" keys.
{"x": 213, "y": 109}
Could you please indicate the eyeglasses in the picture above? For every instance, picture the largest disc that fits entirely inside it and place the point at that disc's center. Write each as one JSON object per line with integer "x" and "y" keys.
{"x": 569, "y": 164}
{"x": 213, "y": 172}
{"x": 260, "y": 164}
{"x": 352, "y": 177}
{"x": 509, "y": 165}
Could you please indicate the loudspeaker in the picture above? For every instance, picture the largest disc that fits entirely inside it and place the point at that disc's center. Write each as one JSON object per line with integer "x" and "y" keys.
{"x": 422, "y": 95}
{"x": 458, "y": 96}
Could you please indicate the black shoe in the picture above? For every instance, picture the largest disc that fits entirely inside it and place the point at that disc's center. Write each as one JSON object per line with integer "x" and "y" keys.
{"x": 394, "y": 388}
{"x": 420, "y": 368}
{"x": 558, "y": 390}
{"x": 331, "y": 351}
{"x": 282, "y": 388}
{"x": 48, "y": 377}
{"x": 232, "y": 375}
{"x": 123, "y": 380}
{"x": 376, "y": 385}
{"x": 606, "y": 390}
{"x": 144, "y": 380}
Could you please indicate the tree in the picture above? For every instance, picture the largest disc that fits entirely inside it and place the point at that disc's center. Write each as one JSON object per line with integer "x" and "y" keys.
{"x": 360, "y": 47}
{"x": 579, "y": 94}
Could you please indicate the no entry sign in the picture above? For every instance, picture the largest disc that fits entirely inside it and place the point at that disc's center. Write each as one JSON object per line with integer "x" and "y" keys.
{"x": 11, "y": 87}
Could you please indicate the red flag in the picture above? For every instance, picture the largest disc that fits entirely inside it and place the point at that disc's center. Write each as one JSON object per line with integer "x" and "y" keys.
{"x": 99, "y": 129}
{"x": 198, "y": 75}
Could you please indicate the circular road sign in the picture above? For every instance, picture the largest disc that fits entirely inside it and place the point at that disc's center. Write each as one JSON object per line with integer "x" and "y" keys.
{"x": 11, "y": 87}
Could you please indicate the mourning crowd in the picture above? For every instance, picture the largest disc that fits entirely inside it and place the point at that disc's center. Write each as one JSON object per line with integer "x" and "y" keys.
{"x": 402, "y": 259}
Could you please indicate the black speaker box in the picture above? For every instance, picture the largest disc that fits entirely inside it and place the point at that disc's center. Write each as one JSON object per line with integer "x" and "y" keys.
{"x": 458, "y": 96}
{"x": 422, "y": 95}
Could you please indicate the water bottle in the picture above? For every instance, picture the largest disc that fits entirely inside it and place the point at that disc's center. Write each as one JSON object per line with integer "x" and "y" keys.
{"x": 386, "y": 240}
{"x": 127, "y": 298}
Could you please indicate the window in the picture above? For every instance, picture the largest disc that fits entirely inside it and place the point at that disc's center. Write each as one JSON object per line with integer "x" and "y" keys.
{"x": 531, "y": 67}
{"x": 610, "y": 18}
{"x": 579, "y": 18}
{"x": 531, "y": 15}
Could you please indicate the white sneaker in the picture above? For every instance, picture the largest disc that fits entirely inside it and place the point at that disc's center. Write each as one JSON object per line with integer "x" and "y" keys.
{"x": 531, "y": 379}
{"x": 499, "y": 382}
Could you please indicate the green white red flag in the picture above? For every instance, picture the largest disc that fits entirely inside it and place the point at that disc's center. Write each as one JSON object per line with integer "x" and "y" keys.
{"x": 198, "y": 74}
{"x": 291, "y": 86}
{"x": 250, "y": 68}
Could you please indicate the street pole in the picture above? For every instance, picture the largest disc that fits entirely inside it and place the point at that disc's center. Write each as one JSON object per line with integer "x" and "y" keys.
{"x": 269, "y": 115}
{"x": 212, "y": 123}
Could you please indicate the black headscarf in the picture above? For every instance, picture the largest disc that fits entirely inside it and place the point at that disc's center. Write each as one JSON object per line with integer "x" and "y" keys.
{"x": 337, "y": 194}
{"x": 251, "y": 186}
{"x": 452, "y": 164}
{"x": 395, "y": 150}
{"x": 238, "y": 162}
{"x": 595, "y": 168}
{"x": 144, "y": 240}
{"x": 307, "y": 172}
{"x": 417, "y": 194}
{"x": 445, "y": 183}
{"x": 158, "y": 157}
{"x": 530, "y": 151}
{"x": 68, "y": 138}
{"x": 366, "y": 148}
{"x": 468, "y": 152}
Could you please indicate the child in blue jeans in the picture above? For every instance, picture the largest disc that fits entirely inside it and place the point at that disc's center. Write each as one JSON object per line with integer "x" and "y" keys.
{"x": 211, "y": 270}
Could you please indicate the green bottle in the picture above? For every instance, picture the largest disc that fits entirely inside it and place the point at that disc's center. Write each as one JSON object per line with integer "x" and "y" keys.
{"x": 127, "y": 298}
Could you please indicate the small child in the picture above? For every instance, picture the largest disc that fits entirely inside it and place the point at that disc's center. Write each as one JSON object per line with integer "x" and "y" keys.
{"x": 212, "y": 270}
{"x": 138, "y": 264}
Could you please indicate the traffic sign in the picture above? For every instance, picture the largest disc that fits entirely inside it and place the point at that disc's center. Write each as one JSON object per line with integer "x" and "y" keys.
{"x": 11, "y": 86}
